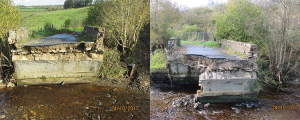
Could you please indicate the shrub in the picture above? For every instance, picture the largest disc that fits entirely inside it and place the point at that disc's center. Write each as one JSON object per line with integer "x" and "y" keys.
{"x": 111, "y": 67}
{"x": 67, "y": 23}
{"x": 47, "y": 25}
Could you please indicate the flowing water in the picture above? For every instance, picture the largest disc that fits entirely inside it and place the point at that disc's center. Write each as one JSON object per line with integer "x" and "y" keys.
{"x": 272, "y": 103}
{"x": 73, "y": 101}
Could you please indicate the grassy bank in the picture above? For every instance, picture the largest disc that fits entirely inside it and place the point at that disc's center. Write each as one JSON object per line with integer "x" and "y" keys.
{"x": 207, "y": 43}
{"x": 158, "y": 61}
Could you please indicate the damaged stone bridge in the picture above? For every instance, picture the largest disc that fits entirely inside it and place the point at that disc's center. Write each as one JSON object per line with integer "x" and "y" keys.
{"x": 58, "y": 58}
{"x": 222, "y": 77}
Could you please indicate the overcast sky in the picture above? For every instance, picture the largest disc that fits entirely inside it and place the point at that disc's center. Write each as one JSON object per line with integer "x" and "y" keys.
{"x": 196, "y": 3}
{"x": 38, "y": 2}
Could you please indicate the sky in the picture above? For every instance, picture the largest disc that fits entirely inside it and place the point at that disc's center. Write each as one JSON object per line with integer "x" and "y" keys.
{"x": 195, "y": 3}
{"x": 38, "y": 2}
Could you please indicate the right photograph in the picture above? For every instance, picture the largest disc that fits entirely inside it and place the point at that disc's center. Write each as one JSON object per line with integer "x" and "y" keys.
{"x": 224, "y": 59}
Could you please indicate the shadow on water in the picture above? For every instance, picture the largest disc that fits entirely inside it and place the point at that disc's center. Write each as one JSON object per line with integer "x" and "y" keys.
{"x": 188, "y": 89}
{"x": 73, "y": 101}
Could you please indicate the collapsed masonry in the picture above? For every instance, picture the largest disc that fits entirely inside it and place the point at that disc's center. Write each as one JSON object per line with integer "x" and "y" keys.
{"x": 221, "y": 80}
{"x": 69, "y": 62}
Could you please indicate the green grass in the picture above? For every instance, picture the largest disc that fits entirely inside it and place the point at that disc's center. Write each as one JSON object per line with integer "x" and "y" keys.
{"x": 33, "y": 10}
{"x": 207, "y": 43}
{"x": 158, "y": 61}
{"x": 36, "y": 20}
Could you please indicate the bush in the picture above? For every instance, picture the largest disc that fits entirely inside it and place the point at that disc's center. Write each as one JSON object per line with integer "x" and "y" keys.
{"x": 47, "y": 25}
{"x": 67, "y": 23}
{"x": 111, "y": 67}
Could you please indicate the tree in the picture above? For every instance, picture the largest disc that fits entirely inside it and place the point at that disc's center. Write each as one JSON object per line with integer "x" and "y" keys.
{"x": 231, "y": 24}
{"x": 122, "y": 19}
{"x": 273, "y": 25}
{"x": 68, "y": 4}
{"x": 10, "y": 17}
{"x": 163, "y": 15}
{"x": 281, "y": 38}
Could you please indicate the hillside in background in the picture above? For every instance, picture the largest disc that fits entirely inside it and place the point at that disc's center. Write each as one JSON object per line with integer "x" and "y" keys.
{"x": 36, "y": 18}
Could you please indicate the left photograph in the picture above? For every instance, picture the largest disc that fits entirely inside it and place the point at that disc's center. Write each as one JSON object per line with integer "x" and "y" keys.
{"x": 75, "y": 59}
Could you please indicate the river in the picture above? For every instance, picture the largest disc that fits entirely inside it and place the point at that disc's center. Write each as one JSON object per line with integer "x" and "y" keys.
{"x": 273, "y": 103}
{"x": 73, "y": 101}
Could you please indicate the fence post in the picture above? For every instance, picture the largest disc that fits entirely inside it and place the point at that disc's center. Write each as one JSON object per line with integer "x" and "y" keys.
{"x": 75, "y": 25}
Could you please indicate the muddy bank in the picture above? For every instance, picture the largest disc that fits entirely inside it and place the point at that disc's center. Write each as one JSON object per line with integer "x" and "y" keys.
{"x": 175, "y": 102}
{"x": 73, "y": 101}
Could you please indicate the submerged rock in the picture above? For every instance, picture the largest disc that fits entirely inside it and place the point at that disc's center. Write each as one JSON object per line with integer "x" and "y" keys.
{"x": 2, "y": 85}
{"x": 206, "y": 105}
{"x": 10, "y": 84}
{"x": 237, "y": 110}
{"x": 198, "y": 105}
{"x": 2, "y": 116}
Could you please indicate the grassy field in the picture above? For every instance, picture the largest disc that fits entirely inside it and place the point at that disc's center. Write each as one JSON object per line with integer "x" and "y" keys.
{"x": 33, "y": 10}
{"x": 36, "y": 20}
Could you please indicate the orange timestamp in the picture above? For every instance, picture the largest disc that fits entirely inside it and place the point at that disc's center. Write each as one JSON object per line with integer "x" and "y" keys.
{"x": 124, "y": 108}
{"x": 285, "y": 107}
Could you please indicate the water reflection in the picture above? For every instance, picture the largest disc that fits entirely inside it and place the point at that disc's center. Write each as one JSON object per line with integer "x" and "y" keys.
{"x": 77, "y": 101}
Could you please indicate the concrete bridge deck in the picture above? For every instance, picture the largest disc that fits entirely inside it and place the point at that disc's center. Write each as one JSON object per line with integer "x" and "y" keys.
{"x": 218, "y": 74}
{"x": 208, "y": 52}
{"x": 58, "y": 58}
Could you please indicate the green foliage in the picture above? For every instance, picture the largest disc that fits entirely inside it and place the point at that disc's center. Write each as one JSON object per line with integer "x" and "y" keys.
{"x": 54, "y": 8}
{"x": 210, "y": 44}
{"x": 235, "y": 23}
{"x": 130, "y": 60}
{"x": 122, "y": 20}
{"x": 10, "y": 16}
{"x": 111, "y": 67}
{"x": 192, "y": 42}
{"x": 263, "y": 73}
{"x": 158, "y": 61}
{"x": 163, "y": 14}
{"x": 257, "y": 86}
{"x": 207, "y": 43}
{"x": 77, "y": 3}
{"x": 47, "y": 25}
{"x": 67, "y": 23}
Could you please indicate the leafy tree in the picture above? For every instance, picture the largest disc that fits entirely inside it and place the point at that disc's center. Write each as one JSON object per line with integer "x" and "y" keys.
{"x": 10, "y": 16}
{"x": 122, "y": 19}
{"x": 68, "y": 4}
{"x": 232, "y": 24}
{"x": 163, "y": 15}
{"x": 77, "y": 3}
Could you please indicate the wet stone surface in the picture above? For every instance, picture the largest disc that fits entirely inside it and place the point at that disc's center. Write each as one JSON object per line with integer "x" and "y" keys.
{"x": 168, "y": 102}
{"x": 73, "y": 101}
